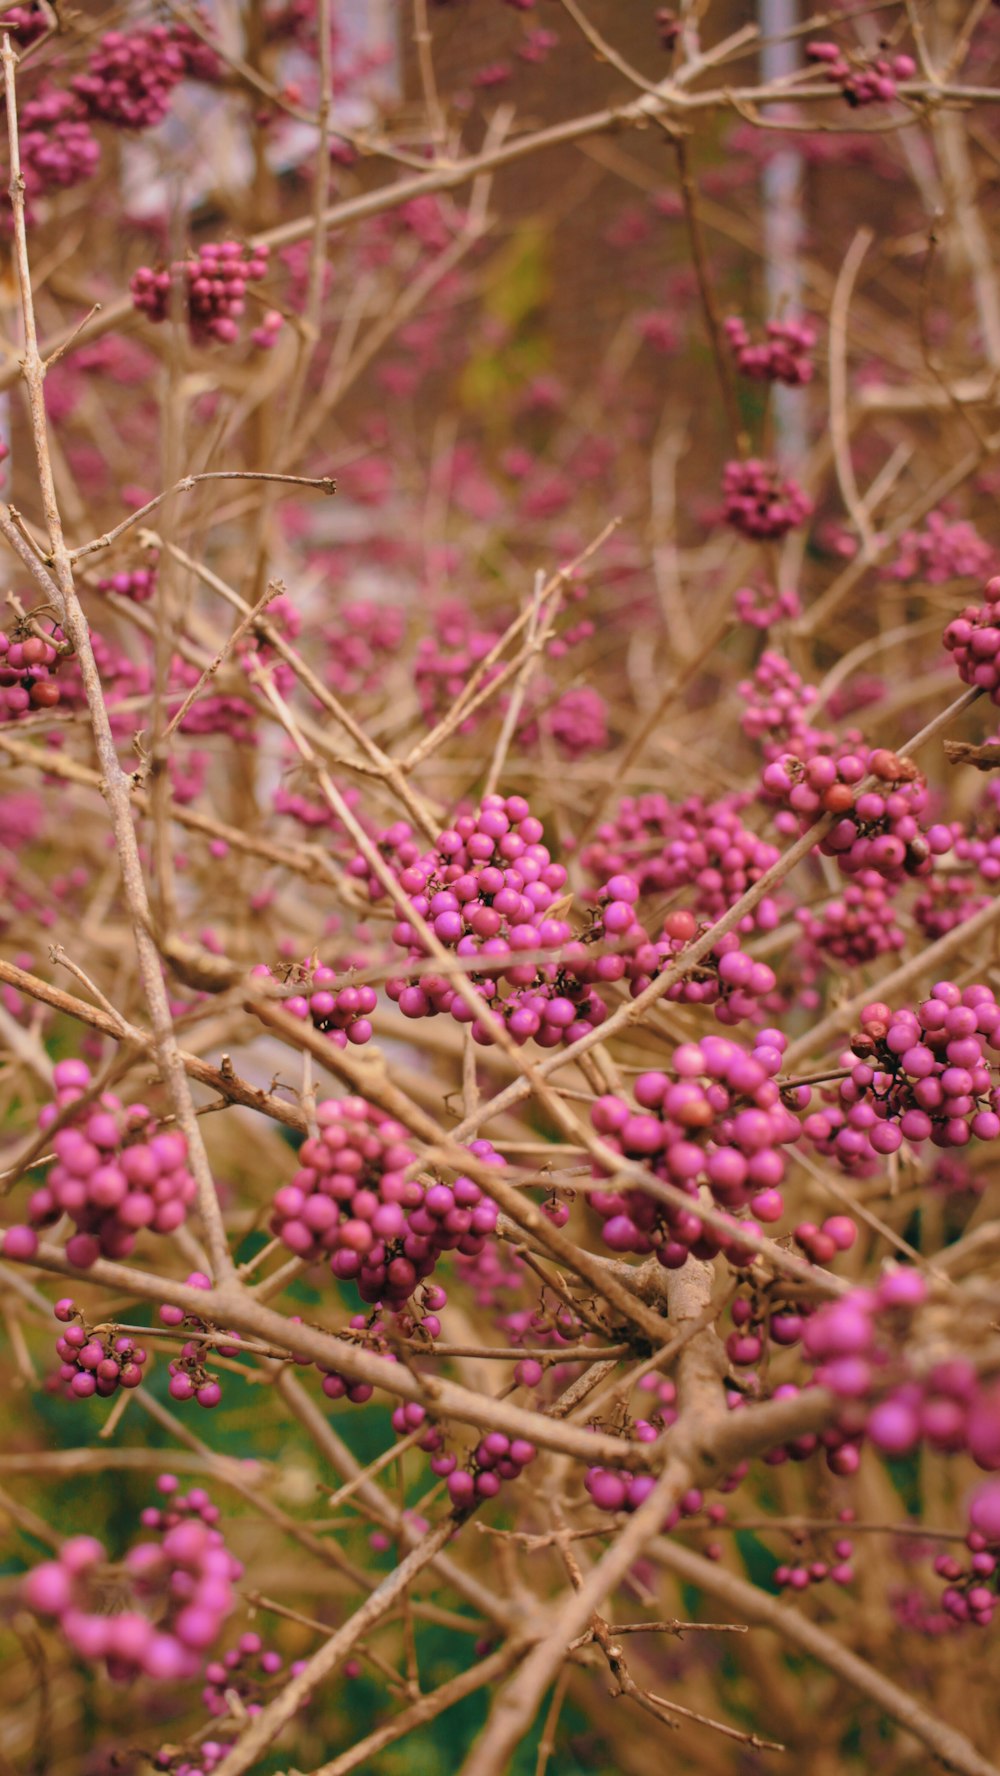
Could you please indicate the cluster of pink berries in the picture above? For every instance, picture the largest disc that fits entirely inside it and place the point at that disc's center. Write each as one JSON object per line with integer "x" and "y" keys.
{"x": 130, "y": 77}
{"x": 114, "y": 1174}
{"x": 615, "y": 1489}
{"x": 337, "y": 1386}
{"x": 188, "y": 773}
{"x": 867, "y": 83}
{"x": 836, "y": 1234}
{"x": 554, "y": 1002}
{"x": 880, "y": 828}
{"x": 777, "y": 703}
{"x": 951, "y": 1176}
{"x": 837, "y": 1570}
{"x": 58, "y": 149}
{"x": 26, "y": 676}
{"x": 25, "y": 23}
{"x": 490, "y": 1277}
{"x": 833, "y": 1133}
{"x": 757, "y": 1322}
{"x": 857, "y": 927}
{"x": 184, "y": 1580}
{"x": 924, "y": 1075}
{"x": 979, "y": 844}
{"x": 246, "y": 1670}
{"x": 697, "y": 845}
{"x": 538, "y": 1325}
{"x": 361, "y": 640}
{"x": 419, "y": 1319}
{"x": 340, "y": 1387}
{"x": 341, "y": 1012}
{"x": 496, "y": 1458}
{"x": 761, "y": 502}
{"x": 969, "y": 1597}
{"x": 352, "y": 1204}
{"x": 973, "y": 638}
{"x": 92, "y": 1364}
{"x": 781, "y": 356}
{"x": 314, "y": 814}
{"x": 446, "y": 659}
{"x": 121, "y": 677}
{"x": 219, "y": 713}
{"x": 719, "y": 1121}
{"x": 863, "y": 1337}
{"x": 946, "y": 901}
{"x": 946, "y": 549}
{"x": 578, "y": 722}
{"x": 137, "y": 583}
{"x": 727, "y": 978}
{"x": 215, "y": 283}
{"x": 486, "y": 891}
{"x": 662, "y": 1412}
{"x": 761, "y": 607}
{"x": 189, "y": 1378}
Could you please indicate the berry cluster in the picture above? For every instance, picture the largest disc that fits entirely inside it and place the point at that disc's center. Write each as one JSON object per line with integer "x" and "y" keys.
{"x": 837, "y": 1234}
{"x": 486, "y": 891}
{"x": 114, "y": 1173}
{"x": 761, "y": 607}
{"x": 351, "y": 1203}
{"x": 703, "y": 846}
{"x": 802, "y": 1577}
{"x": 762, "y": 502}
{"x": 614, "y": 1489}
{"x": 137, "y": 583}
{"x": 215, "y": 283}
{"x": 341, "y": 1012}
{"x": 130, "y": 77}
{"x": 26, "y": 676}
{"x": 578, "y": 722}
{"x": 218, "y": 713}
{"x": 879, "y": 828}
{"x": 868, "y": 82}
{"x": 58, "y": 149}
{"x": 863, "y": 1339}
{"x": 782, "y": 355}
{"x": 363, "y": 637}
{"x": 946, "y": 901}
{"x": 968, "y": 1596}
{"x": 857, "y": 927}
{"x": 189, "y": 1378}
{"x": 247, "y": 1670}
{"x": 924, "y": 1075}
{"x": 182, "y": 1586}
{"x": 25, "y": 23}
{"x": 496, "y": 1458}
{"x": 974, "y": 640}
{"x": 446, "y": 659}
{"x": 726, "y": 978}
{"x": 717, "y": 1120}
{"x": 944, "y": 550}
{"x": 92, "y": 1363}
{"x": 340, "y": 1387}
{"x": 777, "y": 703}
